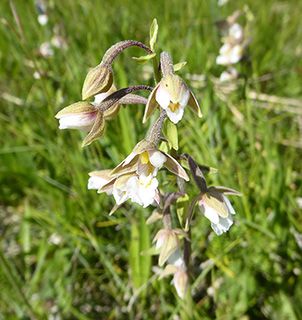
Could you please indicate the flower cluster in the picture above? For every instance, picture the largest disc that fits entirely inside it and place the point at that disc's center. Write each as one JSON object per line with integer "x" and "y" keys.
{"x": 136, "y": 178}
{"x": 233, "y": 48}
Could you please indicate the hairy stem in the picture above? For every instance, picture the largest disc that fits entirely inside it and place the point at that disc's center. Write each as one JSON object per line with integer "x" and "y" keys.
{"x": 116, "y": 49}
{"x": 115, "y": 97}
{"x": 166, "y": 63}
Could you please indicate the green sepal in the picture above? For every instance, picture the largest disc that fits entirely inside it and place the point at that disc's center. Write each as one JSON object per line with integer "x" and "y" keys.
{"x": 172, "y": 135}
{"x": 96, "y": 131}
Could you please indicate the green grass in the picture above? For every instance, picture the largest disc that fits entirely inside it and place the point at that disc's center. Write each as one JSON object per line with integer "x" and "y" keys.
{"x": 94, "y": 270}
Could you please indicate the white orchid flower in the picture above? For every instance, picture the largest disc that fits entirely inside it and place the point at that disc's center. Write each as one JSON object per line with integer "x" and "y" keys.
{"x": 217, "y": 208}
{"x": 80, "y": 115}
{"x": 145, "y": 159}
{"x": 229, "y": 54}
{"x": 173, "y": 95}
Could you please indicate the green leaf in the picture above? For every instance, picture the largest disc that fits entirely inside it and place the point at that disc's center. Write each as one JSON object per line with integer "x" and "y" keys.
{"x": 134, "y": 255}
{"x": 153, "y": 34}
{"x": 172, "y": 135}
{"x": 179, "y": 66}
{"x": 145, "y": 58}
{"x": 140, "y": 263}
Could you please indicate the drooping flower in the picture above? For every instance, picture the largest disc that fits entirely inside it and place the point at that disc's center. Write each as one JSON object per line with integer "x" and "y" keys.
{"x": 229, "y": 54}
{"x": 232, "y": 49}
{"x": 217, "y": 208}
{"x": 173, "y": 95}
{"x": 176, "y": 266}
{"x": 80, "y": 115}
{"x": 146, "y": 159}
{"x": 228, "y": 75}
{"x": 167, "y": 242}
{"x": 90, "y": 117}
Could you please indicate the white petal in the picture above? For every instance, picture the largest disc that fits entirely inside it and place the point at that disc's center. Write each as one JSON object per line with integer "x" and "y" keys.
{"x": 176, "y": 116}
{"x": 157, "y": 159}
{"x": 96, "y": 182}
{"x": 77, "y": 121}
{"x": 162, "y": 96}
{"x": 143, "y": 190}
{"x": 183, "y": 101}
{"x": 176, "y": 259}
{"x": 100, "y": 97}
{"x": 223, "y": 225}
{"x": 211, "y": 214}
{"x": 235, "y": 54}
{"x": 42, "y": 19}
{"x": 225, "y": 49}
{"x": 236, "y": 31}
{"x": 222, "y": 60}
{"x": 129, "y": 158}
{"x": 229, "y": 205}
{"x": 180, "y": 281}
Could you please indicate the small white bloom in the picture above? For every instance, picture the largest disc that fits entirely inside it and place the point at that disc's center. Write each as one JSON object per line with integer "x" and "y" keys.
{"x": 173, "y": 95}
{"x": 142, "y": 189}
{"x": 219, "y": 211}
{"x": 180, "y": 282}
{"x": 95, "y": 182}
{"x": 82, "y": 121}
{"x": 59, "y": 42}
{"x": 236, "y": 32}
{"x": 229, "y": 54}
{"x": 222, "y": 2}
{"x": 42, "y": 19}
{"x": 229, "y": 75}
{"x": 46, "y": 49}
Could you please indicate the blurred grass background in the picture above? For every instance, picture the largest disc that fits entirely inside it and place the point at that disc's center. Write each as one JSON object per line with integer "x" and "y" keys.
{"x": 61, "y": 255}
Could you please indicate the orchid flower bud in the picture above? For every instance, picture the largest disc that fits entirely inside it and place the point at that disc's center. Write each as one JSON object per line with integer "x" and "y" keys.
{"x": 99, "y": 79}
{"x": 167, "y": 242}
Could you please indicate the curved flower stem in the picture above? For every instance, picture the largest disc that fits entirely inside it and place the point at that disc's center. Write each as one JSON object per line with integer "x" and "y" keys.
{"x": 112, "y": 99}
{"x": 166, "y": 64}
{"x": 116, "y": 49}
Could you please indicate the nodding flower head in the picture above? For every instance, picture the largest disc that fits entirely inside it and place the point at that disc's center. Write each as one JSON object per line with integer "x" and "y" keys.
{"x": 217, "y": 208}
{"x": 80, "y": 115}
{"x": 173, "y": 95}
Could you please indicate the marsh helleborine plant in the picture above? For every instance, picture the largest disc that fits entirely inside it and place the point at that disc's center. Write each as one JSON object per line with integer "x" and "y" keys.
{"x": 136, "y": 177}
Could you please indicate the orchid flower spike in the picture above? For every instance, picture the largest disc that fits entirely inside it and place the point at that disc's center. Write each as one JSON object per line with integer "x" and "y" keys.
{"x": 171, "y": 94}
